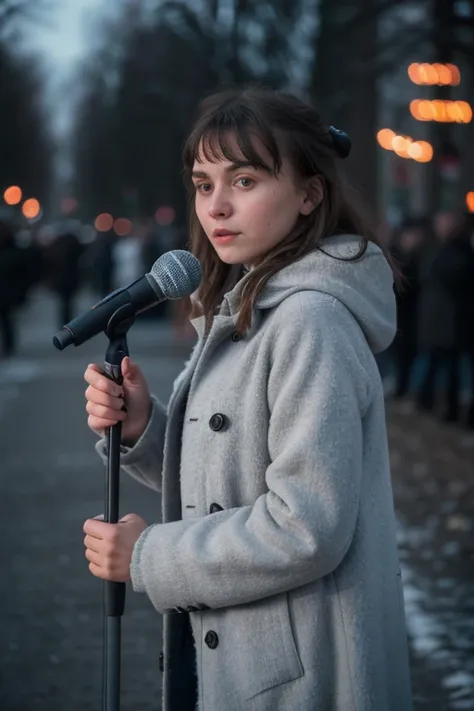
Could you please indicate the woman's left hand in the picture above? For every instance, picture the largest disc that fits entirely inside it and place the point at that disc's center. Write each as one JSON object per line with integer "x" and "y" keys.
{"x": 109, "y": 546}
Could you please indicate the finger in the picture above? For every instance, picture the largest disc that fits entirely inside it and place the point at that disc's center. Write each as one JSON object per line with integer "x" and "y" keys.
{"x": 99, "y": 425}
{"x": 93, "y": 557}
{"x": 95, "y": 377}
{"x": 126, "y": 366}
{"x": 101, "y": 398}
{"x": 99, "y": 529}
{"x": 97, "y": 571}
{"x": 128, "y": 517}
{"x": 105, "y": 413}
{"x": 91, "y": 543}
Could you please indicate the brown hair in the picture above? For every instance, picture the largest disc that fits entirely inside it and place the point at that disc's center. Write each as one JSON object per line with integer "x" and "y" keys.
{"x": 286, "y": 126}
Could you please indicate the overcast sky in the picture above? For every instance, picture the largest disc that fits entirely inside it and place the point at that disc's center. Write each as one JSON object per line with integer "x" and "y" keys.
{"x": 63, "y": 38}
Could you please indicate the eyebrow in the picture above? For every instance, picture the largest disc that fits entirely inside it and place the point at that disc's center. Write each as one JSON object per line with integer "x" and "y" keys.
{"x": 230, "y": 169}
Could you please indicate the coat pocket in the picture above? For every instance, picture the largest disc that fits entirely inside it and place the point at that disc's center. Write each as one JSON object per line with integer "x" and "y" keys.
{"x": 264, "y": 653}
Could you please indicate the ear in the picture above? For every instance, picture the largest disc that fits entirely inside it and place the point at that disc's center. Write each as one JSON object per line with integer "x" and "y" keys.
{"x": 313, "y": 195}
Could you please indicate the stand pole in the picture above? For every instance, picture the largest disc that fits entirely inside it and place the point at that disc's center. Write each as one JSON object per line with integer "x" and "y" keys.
{"x": 114, "y": 593}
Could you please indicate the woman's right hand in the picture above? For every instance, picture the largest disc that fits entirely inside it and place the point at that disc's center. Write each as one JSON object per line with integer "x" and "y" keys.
{"x": 105, "y": 401}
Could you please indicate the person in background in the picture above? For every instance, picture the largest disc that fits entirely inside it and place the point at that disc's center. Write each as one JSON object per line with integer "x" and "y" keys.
{"x": 446, "y": 315}
{"x": 11, "y": 288}
{"x": 414, "y": 237}
{"x": 100, "y": 265}
{"x": 63, "y": 272}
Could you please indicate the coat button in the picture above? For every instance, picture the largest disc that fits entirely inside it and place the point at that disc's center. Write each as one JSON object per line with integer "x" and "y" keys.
{"x": 217, "y": 422}
{"x": 236, "y": 336}
{"x": 211, "y": 639}
{"x": 214, "y": 508}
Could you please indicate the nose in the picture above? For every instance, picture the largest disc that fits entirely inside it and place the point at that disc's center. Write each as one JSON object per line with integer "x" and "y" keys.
{"x": 219, "y": 206}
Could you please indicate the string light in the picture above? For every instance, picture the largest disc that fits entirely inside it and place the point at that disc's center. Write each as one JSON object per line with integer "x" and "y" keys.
{"x": 434, "y": 74}
{"x": 405, "y": 146}
{"x": 441, "y": 111}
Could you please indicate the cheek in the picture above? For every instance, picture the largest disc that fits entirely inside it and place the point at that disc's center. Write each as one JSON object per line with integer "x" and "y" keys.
{"x": 200, "y": 213}
{"x": 277, "y": 215}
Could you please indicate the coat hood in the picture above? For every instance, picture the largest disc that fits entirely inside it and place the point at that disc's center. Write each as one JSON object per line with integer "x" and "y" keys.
{"x": 364, "y": 286}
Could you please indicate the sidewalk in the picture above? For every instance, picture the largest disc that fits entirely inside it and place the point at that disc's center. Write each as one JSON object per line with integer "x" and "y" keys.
{"x": 433, "y": 482}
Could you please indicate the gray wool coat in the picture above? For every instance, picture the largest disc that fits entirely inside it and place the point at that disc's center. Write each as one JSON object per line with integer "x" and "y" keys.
{"x": 278, "y": 533}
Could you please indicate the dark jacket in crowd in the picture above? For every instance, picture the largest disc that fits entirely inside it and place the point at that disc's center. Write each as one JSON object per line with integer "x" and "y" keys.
{"x": 408, "y": 293}
{"x": 12, "y": 276}
{"x": 63, "y": 264}
{"x": 446, "y": 306}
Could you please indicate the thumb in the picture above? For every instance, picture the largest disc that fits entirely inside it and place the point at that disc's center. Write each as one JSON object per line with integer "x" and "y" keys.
{"x": 129, "y": 518}
{"x": 130, "y": 371}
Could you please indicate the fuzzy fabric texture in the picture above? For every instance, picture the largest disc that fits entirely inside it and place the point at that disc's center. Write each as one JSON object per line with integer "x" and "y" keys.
{"x": 278, "y": 533}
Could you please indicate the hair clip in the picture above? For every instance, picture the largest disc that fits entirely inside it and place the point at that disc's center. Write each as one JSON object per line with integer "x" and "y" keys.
{"x": 341, "y": 141}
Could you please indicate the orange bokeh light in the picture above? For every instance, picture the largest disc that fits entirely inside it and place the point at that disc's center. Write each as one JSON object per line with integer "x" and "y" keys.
{"x": 444, "y": 74}
{"x": 465, "y": 110}
{"x": 385, "y": 137}
{"x": 401, "y": 144}
{"x": 104, "y": 222}
{"x": 470, "y": 201}
{"x": 31, "y": 208}
{"x": 441, "y": 111}
{"x": 426, "y": 153}
{"x": 434, "y": 74}
{"x": 455, "y": 74}
{"x": 415, "y": 151}
{"x": 12, "y": 195}
{"x": 122, "y": 226}
{"x": 413, "y": 72}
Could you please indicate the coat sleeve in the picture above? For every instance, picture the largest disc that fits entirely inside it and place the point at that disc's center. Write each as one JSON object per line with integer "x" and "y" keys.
{"x": 144, "y": 461}
{"x": 301, "y": 528}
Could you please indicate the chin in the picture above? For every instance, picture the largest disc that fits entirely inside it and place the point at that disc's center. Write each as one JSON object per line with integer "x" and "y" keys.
{"x": 229, "y": 256}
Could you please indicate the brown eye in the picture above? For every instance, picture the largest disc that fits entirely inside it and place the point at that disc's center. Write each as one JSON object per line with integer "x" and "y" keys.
{"x": 246, "y": 182}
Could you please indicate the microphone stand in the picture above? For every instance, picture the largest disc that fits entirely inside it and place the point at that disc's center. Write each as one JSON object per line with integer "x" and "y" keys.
{"x": 114, "y": 593}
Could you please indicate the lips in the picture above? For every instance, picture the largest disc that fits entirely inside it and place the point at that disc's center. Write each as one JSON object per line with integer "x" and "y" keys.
{"x": 223, "y": 236}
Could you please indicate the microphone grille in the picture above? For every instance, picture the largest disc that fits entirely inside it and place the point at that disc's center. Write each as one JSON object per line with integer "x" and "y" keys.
{"x": 177, "y": 273}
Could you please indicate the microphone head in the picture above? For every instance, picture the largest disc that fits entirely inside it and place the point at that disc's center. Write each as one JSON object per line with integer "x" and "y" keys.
{"x": 177, "y": 273}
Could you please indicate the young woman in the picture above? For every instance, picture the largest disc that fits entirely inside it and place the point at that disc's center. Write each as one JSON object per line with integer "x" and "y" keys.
{"x": 276, "y": 565}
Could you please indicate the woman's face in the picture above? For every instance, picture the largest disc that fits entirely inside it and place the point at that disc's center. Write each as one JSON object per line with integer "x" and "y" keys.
{"x": 247, "y": 211}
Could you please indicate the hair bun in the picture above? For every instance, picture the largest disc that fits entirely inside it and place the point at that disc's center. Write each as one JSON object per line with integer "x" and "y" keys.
{"x": 341, "y": 141}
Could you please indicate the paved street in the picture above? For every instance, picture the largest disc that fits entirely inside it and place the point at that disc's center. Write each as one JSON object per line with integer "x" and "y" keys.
{"x": 51, "y": 479}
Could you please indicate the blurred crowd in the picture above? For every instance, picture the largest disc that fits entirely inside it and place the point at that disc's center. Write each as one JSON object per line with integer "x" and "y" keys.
{"x": 432, "y": 356}
{"x": 65, "y": 259}
{"x": 431, "y": 359}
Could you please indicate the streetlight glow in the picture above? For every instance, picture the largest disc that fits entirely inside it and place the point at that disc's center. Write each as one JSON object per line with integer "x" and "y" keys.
{"x": 13, "y": 195}
{"x": 31, "y": 208}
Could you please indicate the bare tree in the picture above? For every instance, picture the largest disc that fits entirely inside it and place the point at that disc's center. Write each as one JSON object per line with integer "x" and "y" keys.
{"x": 164, "y": 67}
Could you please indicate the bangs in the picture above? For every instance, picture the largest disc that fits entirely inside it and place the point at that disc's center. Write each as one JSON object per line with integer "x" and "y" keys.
{"x": 233, "y": 134}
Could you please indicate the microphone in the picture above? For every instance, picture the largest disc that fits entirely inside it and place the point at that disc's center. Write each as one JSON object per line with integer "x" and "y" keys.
{"x": 174, "y": 275}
